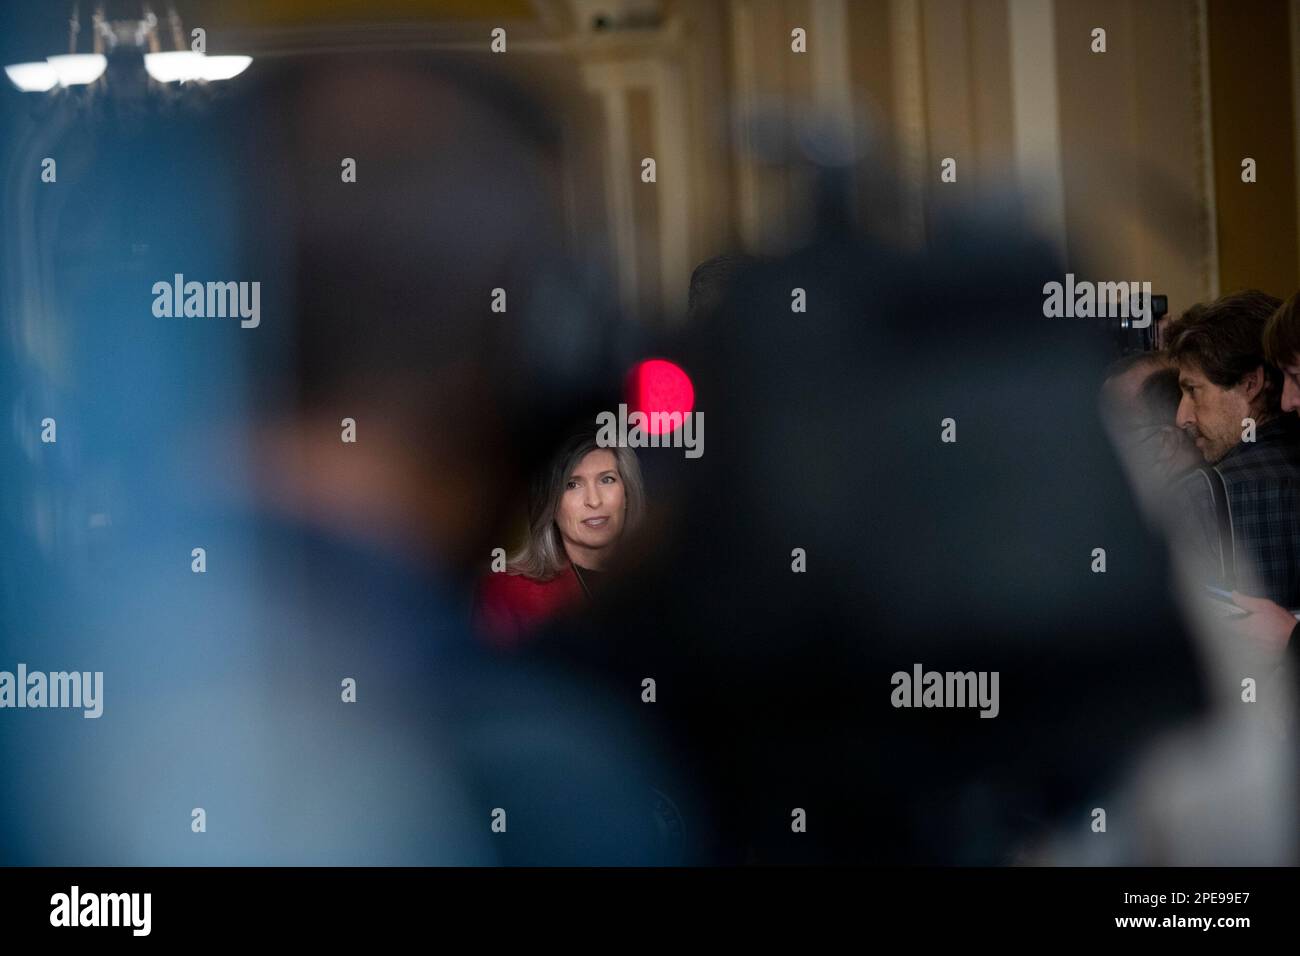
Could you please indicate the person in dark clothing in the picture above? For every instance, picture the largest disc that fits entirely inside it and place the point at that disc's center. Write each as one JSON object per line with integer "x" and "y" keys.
{"x": 774, "y": 682}
{"x": 315, "y": 697}
{"x": 1269, "y": 625}
{"x": 1230, "y": 406}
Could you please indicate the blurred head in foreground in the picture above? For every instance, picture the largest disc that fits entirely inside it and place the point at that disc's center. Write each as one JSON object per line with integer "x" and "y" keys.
{"x": 390, "y": 282}
{"x": 833, "y": 536}
{"x": 711, "y": 283}
{"x": 314, "y": 691}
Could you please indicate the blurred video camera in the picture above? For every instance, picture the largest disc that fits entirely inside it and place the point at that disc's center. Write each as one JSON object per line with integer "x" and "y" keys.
{"x": 1130, "y": 339}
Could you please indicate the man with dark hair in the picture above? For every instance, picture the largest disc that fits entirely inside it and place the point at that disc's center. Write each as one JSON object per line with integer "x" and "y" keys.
{"x": 1230, "y": 407}
{"x": 1225, "y": 379}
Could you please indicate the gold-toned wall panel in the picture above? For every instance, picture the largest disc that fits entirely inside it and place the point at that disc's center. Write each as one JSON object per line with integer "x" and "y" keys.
{"x": 1253, "y": 118}
{"x": 1132, "y": 150}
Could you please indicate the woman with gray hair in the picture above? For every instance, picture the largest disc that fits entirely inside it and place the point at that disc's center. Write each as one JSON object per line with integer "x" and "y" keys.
{"x": 579, "y": 510}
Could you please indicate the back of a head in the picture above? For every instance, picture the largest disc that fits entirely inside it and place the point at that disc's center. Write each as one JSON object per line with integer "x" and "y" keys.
{"x": 920, "y": 546}
{"x": 1124, "y": 381}
{"x": 1282, "y": 334}
{"x": 711, "y": 280}
{"x": 403, "y": 215}
{"x": 391, "y": 271}
{"x": 1159, "y": 397}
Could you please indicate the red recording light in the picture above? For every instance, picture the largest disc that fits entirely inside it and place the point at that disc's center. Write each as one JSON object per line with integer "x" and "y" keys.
{"x": 657, "y": 385}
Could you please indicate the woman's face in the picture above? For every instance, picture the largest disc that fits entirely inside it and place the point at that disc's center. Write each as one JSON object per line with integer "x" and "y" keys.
{"x": 592, "y": 506}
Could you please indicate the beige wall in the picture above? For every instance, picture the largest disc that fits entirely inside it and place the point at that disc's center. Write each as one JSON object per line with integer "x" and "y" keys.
{"x": 1134, "y": 154}
{"x": 1250, "y": 69}
{"x": 1124, "y": 143}
{"x": 1133, "y": 143}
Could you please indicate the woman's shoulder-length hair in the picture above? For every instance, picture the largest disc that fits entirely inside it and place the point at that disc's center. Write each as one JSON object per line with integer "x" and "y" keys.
{"x": 542, "y": 554}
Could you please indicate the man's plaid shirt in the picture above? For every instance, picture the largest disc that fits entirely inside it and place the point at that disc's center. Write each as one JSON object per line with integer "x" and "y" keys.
{"x": 1262, "y": 479}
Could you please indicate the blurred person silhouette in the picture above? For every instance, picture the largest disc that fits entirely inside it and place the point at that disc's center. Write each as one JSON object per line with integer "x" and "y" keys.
{"x": 711, "y": 281}
{"x": 315, "y": 697}
{"x": 774, "y": 676}
{"x": 580, "y": 508}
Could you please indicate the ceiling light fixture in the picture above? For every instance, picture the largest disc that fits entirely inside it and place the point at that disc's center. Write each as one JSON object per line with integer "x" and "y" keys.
{"x": 178, "y": 65}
